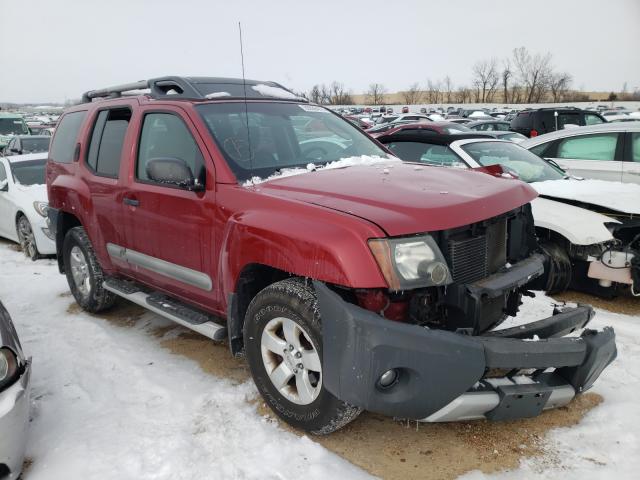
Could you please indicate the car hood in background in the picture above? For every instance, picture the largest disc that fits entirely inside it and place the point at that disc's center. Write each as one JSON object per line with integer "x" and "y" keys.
{"x": 405, "y": 198}
{"x": 617, "y": 196}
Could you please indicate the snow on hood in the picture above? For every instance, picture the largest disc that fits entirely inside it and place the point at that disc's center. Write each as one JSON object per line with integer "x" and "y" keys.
{"x": 36, "y": 192}
{"x": 342, "y": 163}
{"x": 622, "y": 197}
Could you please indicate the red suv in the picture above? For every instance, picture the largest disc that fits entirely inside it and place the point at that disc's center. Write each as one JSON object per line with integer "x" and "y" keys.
{"x": 349, "y": 279}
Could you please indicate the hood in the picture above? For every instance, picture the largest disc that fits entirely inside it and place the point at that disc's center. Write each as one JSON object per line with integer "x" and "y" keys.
{"x": 578, "y": 225}
{"x": 621, "y": 197}
{"x": 33, "y": 193}
{"x": 405, "y": 198}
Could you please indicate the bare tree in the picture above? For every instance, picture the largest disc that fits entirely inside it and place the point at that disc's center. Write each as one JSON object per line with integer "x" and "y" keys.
{"x": 413, "y": 95}
{"x": 338, "y": 95}
{"x": 506, "y": 77}
{"x": 375, "y": 94}
{"x": 485, "y": 79}
{"x": 559, "y": 84}
{"x": 464, "y": 94}
{"x": 534, "y": 72}
{"x": 448, "y": 88}
{"x": 315, "y": 95}
{"x": 433, "y": 91}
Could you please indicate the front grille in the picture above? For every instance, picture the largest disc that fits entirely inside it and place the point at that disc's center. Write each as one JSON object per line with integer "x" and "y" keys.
{"x": 469, "y": 259}
{"x": 475, "y": 257}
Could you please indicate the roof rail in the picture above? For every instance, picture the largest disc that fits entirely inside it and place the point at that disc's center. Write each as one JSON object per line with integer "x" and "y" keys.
{"x": 190, "y": 88}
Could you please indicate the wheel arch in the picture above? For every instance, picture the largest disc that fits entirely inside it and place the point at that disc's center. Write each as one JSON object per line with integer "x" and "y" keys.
{"x": 252, "y": 279}
{"x": 64, "y": 222}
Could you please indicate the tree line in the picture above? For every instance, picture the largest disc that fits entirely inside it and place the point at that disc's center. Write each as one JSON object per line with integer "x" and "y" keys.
{"x": 522, "y": 77}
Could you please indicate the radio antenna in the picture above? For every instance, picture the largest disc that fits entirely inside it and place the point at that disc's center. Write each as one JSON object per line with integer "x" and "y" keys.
{"x": 246, "y": 106}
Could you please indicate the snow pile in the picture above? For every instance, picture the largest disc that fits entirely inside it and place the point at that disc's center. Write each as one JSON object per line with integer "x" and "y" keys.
{"x": 274, "y": 92}
{"x": 109, "y": 402}
{"x": 624, "y": 197}
{"x": 363, "y": 160}
{"x": 217, "y": 95}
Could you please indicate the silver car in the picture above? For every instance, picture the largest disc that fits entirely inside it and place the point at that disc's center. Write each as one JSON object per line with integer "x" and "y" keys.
{"x": 609, "y": 151}
{"x": 15, "y": 373}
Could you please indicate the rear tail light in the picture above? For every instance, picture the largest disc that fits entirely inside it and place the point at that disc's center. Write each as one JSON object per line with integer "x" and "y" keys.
{"x": 533, "y": 133}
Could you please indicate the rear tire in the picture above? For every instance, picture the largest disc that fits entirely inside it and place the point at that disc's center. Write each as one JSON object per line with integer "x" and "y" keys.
{"x": 26, "y": 238}
{"x": 84, "y": 273}
{"x": 282, "y": 331}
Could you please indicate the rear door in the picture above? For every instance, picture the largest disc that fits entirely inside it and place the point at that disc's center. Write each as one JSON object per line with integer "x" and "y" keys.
{"x": 631, "y": 167}
{"x": 170, "y": 230}
{"x": 103, "y": 161}
{"x": 597, "y": 155}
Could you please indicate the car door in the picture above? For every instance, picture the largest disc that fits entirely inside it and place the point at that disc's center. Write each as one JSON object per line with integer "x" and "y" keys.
{"x": 6, "y": 222}
{"x": 596, "y": 155}
{"x": 170, "y": 229}
{"x": 631, "y": 167}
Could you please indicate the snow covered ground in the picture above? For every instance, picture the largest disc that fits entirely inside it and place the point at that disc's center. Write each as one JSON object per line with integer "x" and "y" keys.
{"x": 110, "y": 402}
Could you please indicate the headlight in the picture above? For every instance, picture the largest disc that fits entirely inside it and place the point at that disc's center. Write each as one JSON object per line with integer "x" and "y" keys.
{"x": 8, "y": 366}
{"x": 41, "y": 208}
{"x": 410, "y": 262}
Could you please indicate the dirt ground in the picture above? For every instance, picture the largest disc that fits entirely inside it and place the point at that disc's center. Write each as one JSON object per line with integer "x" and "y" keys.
{"x": 383, "y": 446}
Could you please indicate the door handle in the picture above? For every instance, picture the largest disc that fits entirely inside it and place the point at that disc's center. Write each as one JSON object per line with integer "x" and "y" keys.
{"x": 131, "y": 201}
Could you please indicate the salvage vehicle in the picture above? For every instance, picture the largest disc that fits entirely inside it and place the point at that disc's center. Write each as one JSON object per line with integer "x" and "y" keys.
{"x": 23, "y": 204}
{"x": 11, "y": 124}
{"x": 610, "y": 151}
{"x": 589, "y": 231}
{"x": 350, "y": 279}
{"x": 435, "y": 127}
{"x": 15, "y": 384}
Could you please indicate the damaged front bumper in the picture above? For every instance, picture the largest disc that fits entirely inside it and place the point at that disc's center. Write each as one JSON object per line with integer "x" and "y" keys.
{"x": 441, "y": 375}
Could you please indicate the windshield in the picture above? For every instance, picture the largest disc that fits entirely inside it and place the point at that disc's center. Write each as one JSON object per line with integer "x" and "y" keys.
{"x": 282, "y": 135}
{"x": 12, "y": 126}
{"x": 528, "y": 166}
{"x": 35, "y": 145}
{"x": 30, "y": 172}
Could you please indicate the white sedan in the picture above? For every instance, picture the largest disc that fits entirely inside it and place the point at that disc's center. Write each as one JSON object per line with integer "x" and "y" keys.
{"x": 23, "y": 204}
{"x": 587, "y": 229}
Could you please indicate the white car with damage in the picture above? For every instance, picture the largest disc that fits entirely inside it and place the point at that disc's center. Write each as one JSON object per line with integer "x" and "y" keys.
{"x": 588, "y": 229}
{"x": 23, "y": 204}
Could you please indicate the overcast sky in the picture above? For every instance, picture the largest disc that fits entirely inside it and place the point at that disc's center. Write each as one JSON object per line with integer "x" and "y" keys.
{"x": 52, "y": 50}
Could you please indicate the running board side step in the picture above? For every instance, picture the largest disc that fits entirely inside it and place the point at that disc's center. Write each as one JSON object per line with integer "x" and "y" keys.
{"x": 169, "y": 308}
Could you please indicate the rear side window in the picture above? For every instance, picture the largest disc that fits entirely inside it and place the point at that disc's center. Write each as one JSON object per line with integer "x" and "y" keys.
{"x": 64, "y": 142}
{"x": 635, "y": 147}
{"x": 589, "y": 147}
{"x": 107, "y": 140}
{"x": 165, "y": 135}
{"x": 522, "y": 120}
{"x": 591, "y": 119}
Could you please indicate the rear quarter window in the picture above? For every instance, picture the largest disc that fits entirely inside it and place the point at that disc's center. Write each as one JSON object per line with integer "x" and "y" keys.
{"x": 64, "y": 141}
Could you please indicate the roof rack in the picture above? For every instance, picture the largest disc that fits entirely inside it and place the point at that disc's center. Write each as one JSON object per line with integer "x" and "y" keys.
{"x": 193, "y": 88}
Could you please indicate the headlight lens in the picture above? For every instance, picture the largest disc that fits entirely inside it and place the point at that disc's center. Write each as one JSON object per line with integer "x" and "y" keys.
{"x": 41, "y": 208}
{"x": 410, "y": 262}
{"x": 8, "y": 366}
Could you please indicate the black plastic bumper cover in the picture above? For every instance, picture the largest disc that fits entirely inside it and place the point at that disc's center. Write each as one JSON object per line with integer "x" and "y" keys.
{"x": 437, "y": 366}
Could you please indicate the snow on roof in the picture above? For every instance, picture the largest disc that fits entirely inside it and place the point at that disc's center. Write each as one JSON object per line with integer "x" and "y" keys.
{"x": 275, "y": 92}
{"x": 363, "y": 160}
{"x": 217, "y": 95}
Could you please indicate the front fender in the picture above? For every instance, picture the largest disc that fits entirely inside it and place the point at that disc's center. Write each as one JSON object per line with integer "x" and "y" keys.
{"x": 578, "y": 225}
{"x": 304, "y": 245}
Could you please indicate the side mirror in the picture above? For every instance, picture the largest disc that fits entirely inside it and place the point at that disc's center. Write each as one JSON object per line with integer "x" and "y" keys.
{"x": 172, "y": 171}
{"x": 4, "y": 185}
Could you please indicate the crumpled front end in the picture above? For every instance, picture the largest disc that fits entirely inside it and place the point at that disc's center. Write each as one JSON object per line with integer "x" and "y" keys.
{"x": 409, "y": 371}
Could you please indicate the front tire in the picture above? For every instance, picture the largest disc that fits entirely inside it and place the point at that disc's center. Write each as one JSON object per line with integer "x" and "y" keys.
{"x": 26, "y": 238}
{"x": 283, "y": 344}
{"x": 84, "y": 273}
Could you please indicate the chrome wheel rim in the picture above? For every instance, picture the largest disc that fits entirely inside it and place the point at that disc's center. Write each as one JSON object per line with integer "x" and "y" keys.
{"x": 26, "y": 238}
{"x": 80, "y": 271}
{"x": 291, "y": 360}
